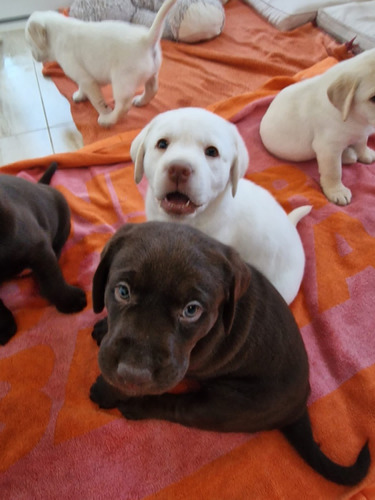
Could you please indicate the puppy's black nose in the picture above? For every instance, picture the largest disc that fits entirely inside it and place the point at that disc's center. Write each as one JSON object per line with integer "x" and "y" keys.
{"x": 133, "y": 374}
{"x": 179, "y": 173}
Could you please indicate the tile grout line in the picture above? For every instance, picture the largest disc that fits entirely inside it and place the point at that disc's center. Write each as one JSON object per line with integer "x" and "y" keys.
{"x": 44, "y": 109}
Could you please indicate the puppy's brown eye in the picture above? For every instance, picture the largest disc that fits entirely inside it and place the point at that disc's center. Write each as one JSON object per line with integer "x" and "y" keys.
{"x": 192, "y": 311}
{"x": 372, "y": 99}
{"x": 122, "y": 292}
{"x": 162, "y": 144}
{"x": 211, "y": 151}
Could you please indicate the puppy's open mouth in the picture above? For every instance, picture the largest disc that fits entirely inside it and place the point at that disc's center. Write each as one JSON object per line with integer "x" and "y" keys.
{"x": 177, "y": 203}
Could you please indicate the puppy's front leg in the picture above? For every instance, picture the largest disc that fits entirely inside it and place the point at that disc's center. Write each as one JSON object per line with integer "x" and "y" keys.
{"x": 104, "y": 395}
{"x": 79, "y": 95}
{"x": 91, "y": 90}
{"x": 330, "y": 170}
{"x": 100, "y": 329}
{"x": 123, "y": 101}
{"x": 221, "y": 408}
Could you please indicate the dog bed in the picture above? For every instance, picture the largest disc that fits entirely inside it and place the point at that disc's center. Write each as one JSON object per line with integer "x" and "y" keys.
{"x": 352, "y": 21}
{"x": 57, "y": 444}
{"x": 289, "y": 14}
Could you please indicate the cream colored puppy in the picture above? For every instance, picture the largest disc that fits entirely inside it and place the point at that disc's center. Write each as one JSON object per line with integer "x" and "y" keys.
{"x": 97, "y": 53}
{"x": 327, "y": 117}
{"x": 194, "y": 161}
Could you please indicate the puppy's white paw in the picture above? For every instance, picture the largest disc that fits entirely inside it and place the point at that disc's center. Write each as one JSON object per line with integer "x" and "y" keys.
{"x": 138, "y": 101}
{"x": 79, "y": 96}
{"x": 349, "y": 156}
{"x": 106, "y": 120}
{"x": 340, "y": 195}
{"x": 368, "y": 156}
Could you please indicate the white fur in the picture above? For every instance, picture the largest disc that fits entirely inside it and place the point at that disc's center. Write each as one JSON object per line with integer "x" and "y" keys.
{"x": 328, "y": 117}
{"x": 233, "y": 210}
{"x": 97, "y": 53}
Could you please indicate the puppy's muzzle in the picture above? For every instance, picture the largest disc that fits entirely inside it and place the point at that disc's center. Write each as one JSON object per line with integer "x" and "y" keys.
{"x": 177, "y": 202}
{"x": 134, "y": 375}
{"x": 135, "y": 369}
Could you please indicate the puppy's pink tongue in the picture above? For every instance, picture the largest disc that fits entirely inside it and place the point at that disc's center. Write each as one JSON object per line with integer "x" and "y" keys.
{"x": 178, "y": 204}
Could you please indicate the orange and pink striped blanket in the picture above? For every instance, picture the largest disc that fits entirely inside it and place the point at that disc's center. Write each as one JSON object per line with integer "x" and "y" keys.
{"x": 55, "y": 443}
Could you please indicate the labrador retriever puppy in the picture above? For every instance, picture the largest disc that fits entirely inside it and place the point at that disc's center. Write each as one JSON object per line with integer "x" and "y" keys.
{"x": 97, "y": 53}
{"x": 34, "y": 225}
{"x": 194, "y": 161}
{"x": 328, "y": 117}
{"x": 182, "y": 305}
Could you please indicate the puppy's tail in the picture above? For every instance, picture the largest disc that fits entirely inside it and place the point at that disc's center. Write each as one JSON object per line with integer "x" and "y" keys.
{"x": 298, "y": 213}
{"x": 48, "y": 174}
{"x": 157, "y": 26}
{"x": 299, "y": 435}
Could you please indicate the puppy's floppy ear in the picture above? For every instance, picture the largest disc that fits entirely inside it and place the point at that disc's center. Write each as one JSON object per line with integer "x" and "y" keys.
{"x": 38, "y": 34}
{"x": 137, "y": 153}
{"x": 238, "y": 280}
{"x": 241, "y": 160}
{"x": 101, "y": 274}
{"x": 341, "y": 93}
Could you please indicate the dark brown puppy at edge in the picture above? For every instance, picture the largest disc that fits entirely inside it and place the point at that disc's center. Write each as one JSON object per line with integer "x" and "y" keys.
{"x": 182, "y": 305}
{"x": 34, "y": 225}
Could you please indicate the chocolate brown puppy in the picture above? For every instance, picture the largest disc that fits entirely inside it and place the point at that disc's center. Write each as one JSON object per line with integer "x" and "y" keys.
{"x": 182, "y": 305}
{"x": 34, "y": 225}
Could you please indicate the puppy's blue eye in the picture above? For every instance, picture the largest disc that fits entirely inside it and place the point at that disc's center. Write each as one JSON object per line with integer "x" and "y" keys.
{"x": 162, "y": 144}
{"x": 192, "y": 311}
{"x": 122, "y": 292}
{"x": 211, "y": 151}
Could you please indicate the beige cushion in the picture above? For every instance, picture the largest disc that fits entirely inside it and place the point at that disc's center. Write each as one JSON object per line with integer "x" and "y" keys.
{"x": 344, "y": 22}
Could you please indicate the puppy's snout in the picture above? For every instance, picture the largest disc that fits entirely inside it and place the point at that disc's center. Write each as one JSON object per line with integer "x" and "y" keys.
{"x": 134, "y": 374}
{"x": 179, "y": 173}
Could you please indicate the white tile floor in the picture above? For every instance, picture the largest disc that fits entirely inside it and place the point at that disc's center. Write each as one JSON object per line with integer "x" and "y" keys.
{"x": 35, "y": 119}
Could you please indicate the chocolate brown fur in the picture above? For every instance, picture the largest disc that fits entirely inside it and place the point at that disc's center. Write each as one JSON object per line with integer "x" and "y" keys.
{"x": 243, "y": 346}
{"x": 34, "y": 225}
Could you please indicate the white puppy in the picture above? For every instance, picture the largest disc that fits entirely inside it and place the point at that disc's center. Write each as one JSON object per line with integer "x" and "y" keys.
{"x": 328, "y": 117}
{"x": 97, "y": 53}
{"x": 194, "y": 161}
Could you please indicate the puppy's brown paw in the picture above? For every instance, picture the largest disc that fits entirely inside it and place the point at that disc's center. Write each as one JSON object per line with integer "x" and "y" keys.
{"x": 100, "y": 329}
{"x": 133, "y": 409}
{"x": 8, "y": 326}
{"x": 71, "y": 300}
{"x": 103, "y": 394}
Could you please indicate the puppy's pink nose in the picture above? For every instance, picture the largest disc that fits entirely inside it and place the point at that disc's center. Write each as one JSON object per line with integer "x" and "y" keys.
{"x": 179, "y": 173}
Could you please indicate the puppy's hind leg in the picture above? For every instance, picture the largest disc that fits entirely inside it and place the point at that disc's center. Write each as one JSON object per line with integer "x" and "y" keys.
{"x": 151, "y": 87}
{"x": 349, "y": 156}
{"x": 364, "y": 153}
{"x": 66, "y": 298}
{"x": 63, "y": 229}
